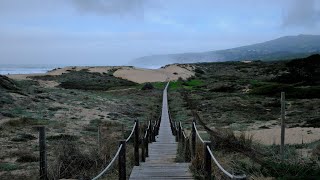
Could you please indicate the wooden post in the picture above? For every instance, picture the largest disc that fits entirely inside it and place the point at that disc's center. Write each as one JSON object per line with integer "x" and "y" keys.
{"x": 207, "y": 161}
{"x": 136, "y": 144}
{"x": 122, "y": 130}
{"x": 193, "y": 140}
{"x": 122, "y": 161}
{"x": 146, "y": 144}
{"x": 183, "y": 140}
{"x": 157, "y": 129}
{"x": 180, "y": 132}
{"x": 150, "y": 131}
{"x": 143, "y": 150}
{"x": 176, "y": 130}
{"x": 159, "y": 121}
{"x": 43, "y": 153}
{"x": 99, "y": 138}
{"x": 187, "y": 151}
{"x": 283, "y": 111}
{"x": 153, "y": 135}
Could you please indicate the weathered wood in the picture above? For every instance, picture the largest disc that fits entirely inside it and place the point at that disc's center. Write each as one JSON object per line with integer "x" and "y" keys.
{"x": 143, "y": 150}
{"x": 122, "y": 161}
{"x": 122, "y": 130}
{"x": 99, "y": 138}
{"x": 43, "y": 153}
{"x": 149, "y": 132}
{"x": 136, "y": 143}
{"x": 177, "y": 132}
{"x": 162, "y": 154}
{"x": 146, "y": 143}
{"x": 283, "y": 116}
{"x": 187, "y": 152}
{"x": 193, "y": 140}
{"x": 207, "y": 161}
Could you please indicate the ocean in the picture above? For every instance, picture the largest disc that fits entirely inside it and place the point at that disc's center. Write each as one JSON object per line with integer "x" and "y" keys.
{"x": 34, "y": 69}
{"x": 26, "y": 69}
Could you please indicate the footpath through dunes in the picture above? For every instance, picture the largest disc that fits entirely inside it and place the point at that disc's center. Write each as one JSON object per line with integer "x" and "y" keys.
{"x": 161, "y": 161}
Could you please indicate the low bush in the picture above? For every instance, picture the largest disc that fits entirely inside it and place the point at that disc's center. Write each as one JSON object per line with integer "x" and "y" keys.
{"x": 8, "y": 166}
{"x": 24, "y": 121}
{"x": 87, "y": 80}
{"x": 27, "y": 158}
{"x": 274, "y": 89}
{"x": 147, "y": 86}
{"x": 23, "y": 137}
{"x": 65, "y": 137}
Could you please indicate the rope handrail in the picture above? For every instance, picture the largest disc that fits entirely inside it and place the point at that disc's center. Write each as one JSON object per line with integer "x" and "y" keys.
{"x": 145, "y": 134}
{"x": 146, "y": 131}
{"x": 109, "y": 165}
{"x": 183, "y": 133}
{"x": 149, "y": 124}
{"x": 221, "y": 168}
{"x": 132, "y": 131}
{"x": 197, "y": 132}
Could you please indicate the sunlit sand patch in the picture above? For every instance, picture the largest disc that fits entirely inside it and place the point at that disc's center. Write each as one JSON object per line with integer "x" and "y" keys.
{"x": 297, "y": 135}
{"x": 140, "y": 75}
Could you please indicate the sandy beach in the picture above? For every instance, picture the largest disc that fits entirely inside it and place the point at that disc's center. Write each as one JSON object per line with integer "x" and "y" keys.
{"x": 138, "y": 75}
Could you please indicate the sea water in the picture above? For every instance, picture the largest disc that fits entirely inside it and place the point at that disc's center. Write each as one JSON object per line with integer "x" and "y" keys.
{"x": 26, "y": 69}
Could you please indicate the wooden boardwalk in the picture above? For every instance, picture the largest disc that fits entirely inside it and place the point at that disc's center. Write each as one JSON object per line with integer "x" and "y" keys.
{"x": 161, "y": 161}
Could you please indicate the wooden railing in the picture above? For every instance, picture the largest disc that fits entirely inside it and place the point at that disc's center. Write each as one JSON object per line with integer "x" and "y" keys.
{"x": 189, "y": 147}
{"x": 140, "y": 142}
{"x": 149, "y": 136}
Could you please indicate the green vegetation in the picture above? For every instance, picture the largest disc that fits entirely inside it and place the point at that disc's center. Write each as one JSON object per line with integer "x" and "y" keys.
{"x": 25, "y": 122}
{"x": 233, "y": 98}
{"x": 71, "y": 117}
{"x": 27, "y": 158}
{"x": 85, "y": 80}
{"x": 8, "y": 166}
{"x": 23, "y": 137}
{"x": 65, "y": 137}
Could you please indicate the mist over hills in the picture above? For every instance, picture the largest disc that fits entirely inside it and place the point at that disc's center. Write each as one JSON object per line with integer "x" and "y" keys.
{"x": 282, "y": 48}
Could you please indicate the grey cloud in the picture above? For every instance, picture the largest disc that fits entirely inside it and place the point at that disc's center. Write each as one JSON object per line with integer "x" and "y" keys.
{"x": 111, "y": 7}
{"x": 301, "y": 13}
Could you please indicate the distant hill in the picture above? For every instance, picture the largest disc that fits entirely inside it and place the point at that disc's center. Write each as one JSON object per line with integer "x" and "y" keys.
{"x": 286, "y": 47}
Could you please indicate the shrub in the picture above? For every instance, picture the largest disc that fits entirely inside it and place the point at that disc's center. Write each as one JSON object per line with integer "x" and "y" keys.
{"x": 147, "y": 86}
{"x": 305, "y": 70}
{"x": 24, "y": 121}
{"x": 198, "y": 71}
{"x": 27, "y": 158}
{"x": 23, "y": 137}
{"x": 271, "y": 89}
{"x": 87, "y": 80}
{"x": 8, "y": 166}
{"x": 71, "y": 162}
{"x": 65, "y": 137}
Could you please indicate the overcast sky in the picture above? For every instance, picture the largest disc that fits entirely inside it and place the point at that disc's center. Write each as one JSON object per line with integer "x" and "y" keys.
{"x": 113, "y": 32}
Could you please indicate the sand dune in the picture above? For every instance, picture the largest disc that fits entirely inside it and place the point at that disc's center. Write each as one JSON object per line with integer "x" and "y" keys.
{"x": 139, "y": 75}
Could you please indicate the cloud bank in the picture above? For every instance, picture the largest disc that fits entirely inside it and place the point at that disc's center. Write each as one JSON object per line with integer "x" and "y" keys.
{"x": 301, "y": 13}
{"x": 110, "y": 7}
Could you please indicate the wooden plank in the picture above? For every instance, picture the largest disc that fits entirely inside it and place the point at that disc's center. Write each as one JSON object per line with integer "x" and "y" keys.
{"x": 161, "y": 161}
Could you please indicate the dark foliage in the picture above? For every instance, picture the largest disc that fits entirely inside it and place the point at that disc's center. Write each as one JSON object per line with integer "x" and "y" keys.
{"x": 23, "y": 137}
{"x": 27, "y": 158}
{"x": 7, "y": 83}
{"x": 147, "y": 86}
{"x": 87, "y": 80}
{"x": 306, "y": 71}
{"x": 65, "y": 137}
